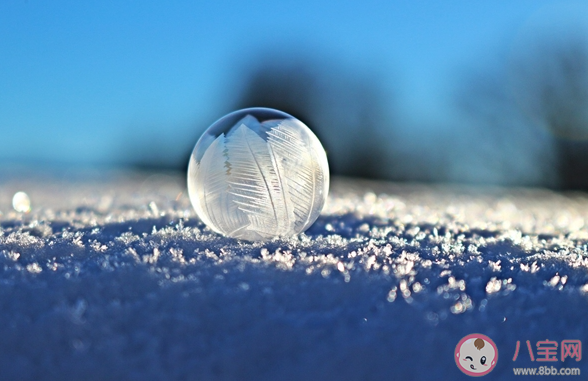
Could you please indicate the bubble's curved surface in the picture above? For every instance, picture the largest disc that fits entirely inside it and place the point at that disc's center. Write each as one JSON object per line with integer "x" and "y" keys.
{"x": 258, "y": 173}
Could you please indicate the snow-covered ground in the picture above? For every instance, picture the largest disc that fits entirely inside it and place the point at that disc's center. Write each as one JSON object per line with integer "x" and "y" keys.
{"x": 114, "y": 278}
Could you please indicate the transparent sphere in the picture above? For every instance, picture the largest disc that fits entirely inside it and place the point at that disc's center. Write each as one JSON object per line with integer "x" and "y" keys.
{"x": 258, "y": 173}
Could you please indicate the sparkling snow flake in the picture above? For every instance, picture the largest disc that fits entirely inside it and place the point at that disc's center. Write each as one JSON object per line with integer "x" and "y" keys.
{"x": 257, "y": 174}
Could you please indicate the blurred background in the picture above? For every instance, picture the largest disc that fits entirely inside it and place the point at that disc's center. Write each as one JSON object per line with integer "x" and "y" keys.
{"x": 488, "y": 92}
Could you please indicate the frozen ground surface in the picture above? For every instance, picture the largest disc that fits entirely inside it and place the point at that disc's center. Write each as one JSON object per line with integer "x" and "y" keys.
{"x": 114, "y": 278}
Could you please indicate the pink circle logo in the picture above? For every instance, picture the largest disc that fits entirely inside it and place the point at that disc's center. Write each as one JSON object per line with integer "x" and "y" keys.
{"x": 476, "y": 355}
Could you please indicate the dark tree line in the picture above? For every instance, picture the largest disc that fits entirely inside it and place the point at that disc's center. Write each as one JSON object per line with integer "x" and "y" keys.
{"x": 551, "y": 86}
{"x": 344, "y": 109}
{"x": 529, "y": 123}
{"x": 528, "y": 127}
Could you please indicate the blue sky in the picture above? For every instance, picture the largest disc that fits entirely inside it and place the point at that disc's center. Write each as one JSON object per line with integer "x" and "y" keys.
{"x": 79, "y": 81}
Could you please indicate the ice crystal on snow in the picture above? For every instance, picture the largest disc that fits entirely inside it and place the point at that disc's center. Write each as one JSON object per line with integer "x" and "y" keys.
{"x": 119, "y": 279}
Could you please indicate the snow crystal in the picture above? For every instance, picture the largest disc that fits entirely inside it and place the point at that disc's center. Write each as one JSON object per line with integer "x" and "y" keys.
{"x": 114, "y": 277}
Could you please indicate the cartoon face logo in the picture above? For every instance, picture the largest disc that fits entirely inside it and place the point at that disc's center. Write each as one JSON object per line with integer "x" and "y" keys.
{"x": 476, "y": 355}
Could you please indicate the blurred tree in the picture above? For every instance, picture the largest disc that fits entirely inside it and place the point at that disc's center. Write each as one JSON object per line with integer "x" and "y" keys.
{"x": 345, "y": 109}
{"x": 550, "y": 83}
{"x": 495, "y": 143}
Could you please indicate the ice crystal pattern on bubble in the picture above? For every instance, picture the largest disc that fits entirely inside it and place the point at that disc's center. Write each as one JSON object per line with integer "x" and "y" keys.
{"x": 253, "y": 188}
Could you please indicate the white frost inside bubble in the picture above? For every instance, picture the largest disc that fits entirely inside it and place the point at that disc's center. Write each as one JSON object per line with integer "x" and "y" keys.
{"x": 257, "y": 174}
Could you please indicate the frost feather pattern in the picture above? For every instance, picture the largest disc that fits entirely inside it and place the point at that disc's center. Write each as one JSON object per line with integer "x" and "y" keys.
{"x": 255, "y": 189}
{"x": 256, "y": 183}
{"x": 214, "y": 191}
{"x": 302, "y": 175}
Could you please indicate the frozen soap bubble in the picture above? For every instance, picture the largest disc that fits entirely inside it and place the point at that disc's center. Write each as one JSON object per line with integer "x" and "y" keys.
{"x": 258, "y": 173}
{"x": 21, "y": 202}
